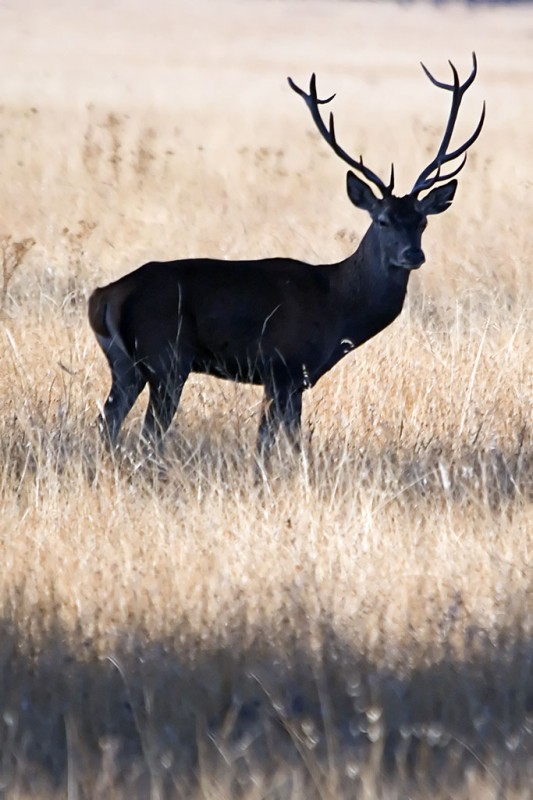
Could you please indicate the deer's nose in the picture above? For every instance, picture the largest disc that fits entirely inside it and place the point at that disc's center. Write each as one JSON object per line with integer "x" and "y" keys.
{"x": 412, "y": 258}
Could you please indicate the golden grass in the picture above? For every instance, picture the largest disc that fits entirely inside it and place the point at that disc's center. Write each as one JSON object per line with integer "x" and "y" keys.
{"x": 358, "y": 622}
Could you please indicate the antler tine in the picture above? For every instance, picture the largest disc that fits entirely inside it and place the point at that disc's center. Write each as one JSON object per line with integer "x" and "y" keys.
{"x": 313, "y": 101}
{"x": 427, "y": 179}
{"x": 441, "y": 84}
{"x": 440, "y": 177}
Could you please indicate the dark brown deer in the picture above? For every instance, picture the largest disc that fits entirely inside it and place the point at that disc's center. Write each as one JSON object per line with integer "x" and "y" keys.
{"x": 276, "y": 322}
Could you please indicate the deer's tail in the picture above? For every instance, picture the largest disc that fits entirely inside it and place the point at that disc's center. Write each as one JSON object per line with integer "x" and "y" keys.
{"x": 98, "y": 313}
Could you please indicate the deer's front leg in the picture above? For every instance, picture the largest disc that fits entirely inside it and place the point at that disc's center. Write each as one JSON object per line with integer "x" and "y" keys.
{"x": 280, "y": 408}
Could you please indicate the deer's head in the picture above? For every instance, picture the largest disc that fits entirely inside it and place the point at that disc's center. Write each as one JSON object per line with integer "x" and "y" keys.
{"x": 398, "y": 222}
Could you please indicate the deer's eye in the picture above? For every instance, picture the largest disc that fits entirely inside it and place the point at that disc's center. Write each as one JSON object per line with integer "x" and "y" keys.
{"x": 383, "y": 222}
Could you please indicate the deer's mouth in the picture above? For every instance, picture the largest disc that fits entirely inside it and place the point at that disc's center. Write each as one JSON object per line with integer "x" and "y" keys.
{"x": 408, "y": 265}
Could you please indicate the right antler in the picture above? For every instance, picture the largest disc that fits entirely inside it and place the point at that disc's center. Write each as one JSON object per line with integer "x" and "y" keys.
{"x": 424, "y": 181}
{"x": 312, "y": 102}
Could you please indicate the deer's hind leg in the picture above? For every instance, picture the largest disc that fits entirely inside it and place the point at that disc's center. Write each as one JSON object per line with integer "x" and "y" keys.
{"x": 127, "y": 382}
{"x": 166, "y": 380}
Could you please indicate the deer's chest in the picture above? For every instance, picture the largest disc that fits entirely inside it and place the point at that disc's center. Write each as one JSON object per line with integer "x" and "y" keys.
{"x": 377, "y": 308}
{"x": 358, "y": 326}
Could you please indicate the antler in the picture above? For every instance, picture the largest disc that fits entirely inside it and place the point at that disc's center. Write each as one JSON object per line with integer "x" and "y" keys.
{"x": 426, "y": 180}
{"x": 312, "y": 101}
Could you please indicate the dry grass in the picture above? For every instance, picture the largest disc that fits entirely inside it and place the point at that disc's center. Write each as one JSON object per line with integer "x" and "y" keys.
{"x": 358, "y": 623}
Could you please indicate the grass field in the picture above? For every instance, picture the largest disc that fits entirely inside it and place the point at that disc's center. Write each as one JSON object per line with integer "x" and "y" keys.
{"x": 358, "y": 623}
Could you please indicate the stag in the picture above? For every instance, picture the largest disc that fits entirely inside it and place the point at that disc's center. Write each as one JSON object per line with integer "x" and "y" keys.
{"x": 275, "y": 322}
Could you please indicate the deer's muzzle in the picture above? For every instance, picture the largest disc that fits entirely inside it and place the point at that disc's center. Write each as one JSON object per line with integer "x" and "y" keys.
{"x": 411, "y": 258}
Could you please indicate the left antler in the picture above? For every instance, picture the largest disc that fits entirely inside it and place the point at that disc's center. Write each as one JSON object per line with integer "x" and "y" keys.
{"x": 427, "y": 179}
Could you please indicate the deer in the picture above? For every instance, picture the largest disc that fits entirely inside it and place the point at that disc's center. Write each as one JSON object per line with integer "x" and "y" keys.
{"x": 278, "y": 322}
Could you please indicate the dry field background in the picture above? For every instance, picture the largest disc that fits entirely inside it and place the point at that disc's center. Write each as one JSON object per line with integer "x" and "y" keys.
{"x": 360, "y": 622}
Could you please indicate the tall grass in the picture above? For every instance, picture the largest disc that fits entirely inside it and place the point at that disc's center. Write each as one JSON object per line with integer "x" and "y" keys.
{"x": 357, "y": 622}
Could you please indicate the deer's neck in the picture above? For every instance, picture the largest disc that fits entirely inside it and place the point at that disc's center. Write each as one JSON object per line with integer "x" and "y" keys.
{"x": 373, "y": 290}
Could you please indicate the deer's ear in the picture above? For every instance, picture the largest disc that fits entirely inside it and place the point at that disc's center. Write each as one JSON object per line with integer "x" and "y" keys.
{"x": 361, "y": 194}
{"x": 438, "y": 199}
